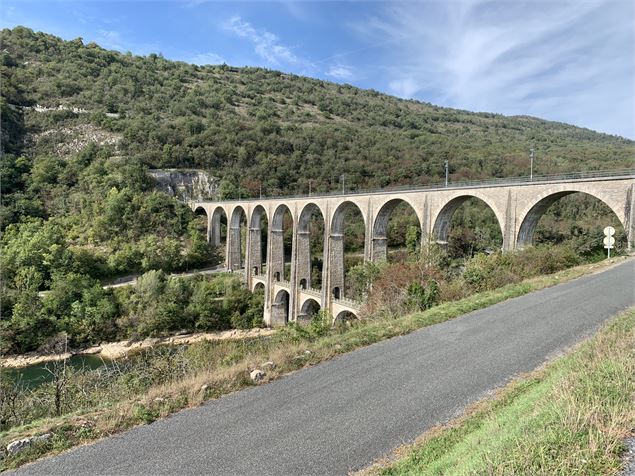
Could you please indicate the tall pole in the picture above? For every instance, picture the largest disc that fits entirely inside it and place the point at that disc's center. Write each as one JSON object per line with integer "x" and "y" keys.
{"x": 260, "y": 189}
{"x": 445, "y": 163}
{"x": 310, "y": 181}
{"x": 342, "y": 176}
{"x": 531, "y": 164}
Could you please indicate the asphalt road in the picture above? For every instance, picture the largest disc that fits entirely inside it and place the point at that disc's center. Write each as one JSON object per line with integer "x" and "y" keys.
{"x": 343, "y": 414}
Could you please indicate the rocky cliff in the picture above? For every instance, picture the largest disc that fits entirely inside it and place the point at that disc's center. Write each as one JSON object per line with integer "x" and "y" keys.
{"x": 186, "y": 184}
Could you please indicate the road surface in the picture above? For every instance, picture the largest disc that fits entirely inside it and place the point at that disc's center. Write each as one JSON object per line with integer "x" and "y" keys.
{"x": 343, "y": 414}
{"x": 133, "y": 278}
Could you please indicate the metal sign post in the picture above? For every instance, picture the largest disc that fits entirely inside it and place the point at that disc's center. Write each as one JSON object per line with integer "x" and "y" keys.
{"x": 609, "y": 240}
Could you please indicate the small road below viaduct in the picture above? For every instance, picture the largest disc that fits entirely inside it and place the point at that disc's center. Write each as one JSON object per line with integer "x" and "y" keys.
{"x": 343, "y": 414}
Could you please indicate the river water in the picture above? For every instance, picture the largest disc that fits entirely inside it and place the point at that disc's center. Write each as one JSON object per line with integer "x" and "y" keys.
{"x": 34, "y": 375}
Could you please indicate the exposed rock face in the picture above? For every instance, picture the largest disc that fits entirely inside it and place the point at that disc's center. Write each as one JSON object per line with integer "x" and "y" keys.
{"x": 17, "y": 446}
{"x": 67, "y": 141}
{"x": 186, "y": 184}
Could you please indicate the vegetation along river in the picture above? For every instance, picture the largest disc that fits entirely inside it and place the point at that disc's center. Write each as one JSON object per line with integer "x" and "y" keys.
{"x": 33, "y": 375}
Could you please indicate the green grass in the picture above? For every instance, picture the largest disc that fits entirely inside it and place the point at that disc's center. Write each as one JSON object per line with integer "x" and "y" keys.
{"x": 568, "y": 418}
{"x": 227, "y": 370}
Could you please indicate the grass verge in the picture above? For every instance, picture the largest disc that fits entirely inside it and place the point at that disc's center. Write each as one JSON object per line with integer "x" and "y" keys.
{"x": 290, "y": 349}
{"x": 569, "y": 417}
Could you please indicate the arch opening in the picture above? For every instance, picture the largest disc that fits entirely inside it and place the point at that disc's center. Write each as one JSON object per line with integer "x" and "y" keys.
{"x": 202, "y": 223}
{"x": 572, "y": 218}
{"x": 280, "y": 308}
{"x": 258, "y": 230}
{"x": 347, "y": 245}
{"x": 203, "y": 251}
{"x": 282, "y": 242}
{"x": 345, "y": 318}
{"x": 467, "y": 225}
{"x": 309, "y": 308}
{"x": 396, "y": 232}
{"x": 218, "y": 233}
{"x": 237, "y": 239}
{"x": 310, "y": 243}
{"x": 259, "y": 287}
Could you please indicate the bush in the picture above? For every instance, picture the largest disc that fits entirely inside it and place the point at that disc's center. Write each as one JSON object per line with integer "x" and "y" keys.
{"x": 361, "y": 276}
{"x": 485, "y": 272}
{"x": 423, "y": 297}
{"x": 545, "y": 259}
{"x": 397, "y": 288}
{"x": 320, "y": 323}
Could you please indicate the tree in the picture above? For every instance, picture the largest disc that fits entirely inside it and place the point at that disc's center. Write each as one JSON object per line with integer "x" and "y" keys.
{"x": 28, "y": 326}
{"x": 360, "y": 277}
{"x": 412, "y": 239}
{"x": 227, "y": 190}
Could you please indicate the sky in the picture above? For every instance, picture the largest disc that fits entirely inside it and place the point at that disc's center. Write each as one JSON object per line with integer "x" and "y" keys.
{"x": 569, "y": 61}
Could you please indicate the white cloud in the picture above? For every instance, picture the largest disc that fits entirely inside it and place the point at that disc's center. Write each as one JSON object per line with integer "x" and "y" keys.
{"x": 110, "y": 39}
{"x": 568, "y": 60}
{"x": 404, "y": 88}
{"x": 341, "y": 72}
{"x": 266, "y": 44}
{"x": 207, "y": 58}
{"x": 114, "y": 40}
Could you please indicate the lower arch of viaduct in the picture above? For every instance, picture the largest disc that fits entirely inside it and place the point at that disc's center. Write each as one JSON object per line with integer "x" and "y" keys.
{"x": 517, "y": 207}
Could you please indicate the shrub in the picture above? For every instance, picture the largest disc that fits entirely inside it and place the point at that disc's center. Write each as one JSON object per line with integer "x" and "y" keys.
{"x": 320, "y": 323}
{"x": 416, "y": 285}
{"x": 422, "y": 297}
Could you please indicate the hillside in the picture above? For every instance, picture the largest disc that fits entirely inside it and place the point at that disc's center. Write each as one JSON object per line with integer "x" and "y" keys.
{"x": 81, "y": 126}
{"x": 254, "y": 126}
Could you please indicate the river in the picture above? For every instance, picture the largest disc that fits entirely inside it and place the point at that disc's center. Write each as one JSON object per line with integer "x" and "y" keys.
{"x": 37, "y": 374}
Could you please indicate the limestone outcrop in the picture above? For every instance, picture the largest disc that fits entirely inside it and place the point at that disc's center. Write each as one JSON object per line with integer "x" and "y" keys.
{"x": 186, "y": 185}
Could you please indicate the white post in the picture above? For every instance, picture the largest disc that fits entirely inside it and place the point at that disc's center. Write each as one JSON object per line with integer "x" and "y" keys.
{"x": 446, "y": 173}
{"x": 531, "y": 166}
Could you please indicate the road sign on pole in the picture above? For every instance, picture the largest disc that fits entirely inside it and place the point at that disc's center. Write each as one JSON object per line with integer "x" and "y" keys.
{"x": 609, "y": 240}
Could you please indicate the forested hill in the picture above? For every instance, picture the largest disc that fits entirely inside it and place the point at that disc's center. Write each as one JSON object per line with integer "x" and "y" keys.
{"x": 256, "y": 127}
{"x": 81, "y": 126}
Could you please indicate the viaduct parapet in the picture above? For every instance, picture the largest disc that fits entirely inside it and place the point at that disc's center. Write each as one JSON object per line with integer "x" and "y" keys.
{"x": 517, "y": 204}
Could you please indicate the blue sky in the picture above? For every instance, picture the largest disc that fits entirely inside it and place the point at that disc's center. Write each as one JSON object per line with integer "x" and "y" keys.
{"x": 570, "y": 61}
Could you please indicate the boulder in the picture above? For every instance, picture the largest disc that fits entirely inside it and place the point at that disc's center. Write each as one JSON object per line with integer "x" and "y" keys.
{"x": 17, "y": 446}
{"x": 257, "y": 375}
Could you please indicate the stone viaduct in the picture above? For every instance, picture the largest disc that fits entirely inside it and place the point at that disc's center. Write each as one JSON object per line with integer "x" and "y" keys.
{"x": 517, "y": 204}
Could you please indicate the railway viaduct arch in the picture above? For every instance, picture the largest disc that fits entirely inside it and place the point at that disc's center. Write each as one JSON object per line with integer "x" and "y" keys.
{"x": 517, "y": 204}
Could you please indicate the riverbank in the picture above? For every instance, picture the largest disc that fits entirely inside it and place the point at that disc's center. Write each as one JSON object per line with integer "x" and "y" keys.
{"x": 116, "y": 350}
